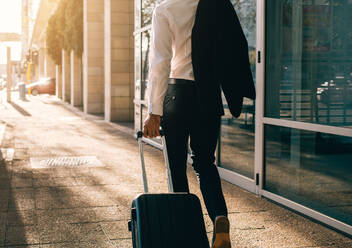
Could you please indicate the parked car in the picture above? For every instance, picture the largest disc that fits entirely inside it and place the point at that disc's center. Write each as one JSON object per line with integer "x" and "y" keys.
{"x": 42, "y": 86}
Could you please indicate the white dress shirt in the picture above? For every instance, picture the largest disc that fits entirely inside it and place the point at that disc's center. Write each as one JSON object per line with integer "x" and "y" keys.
{"x": 170, "y": 48}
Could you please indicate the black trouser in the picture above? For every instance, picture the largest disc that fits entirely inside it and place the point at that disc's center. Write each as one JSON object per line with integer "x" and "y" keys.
{"x": 181, "y": 120}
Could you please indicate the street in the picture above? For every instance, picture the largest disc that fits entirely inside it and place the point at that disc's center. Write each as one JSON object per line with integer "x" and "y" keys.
{"x": 67, "y": 180}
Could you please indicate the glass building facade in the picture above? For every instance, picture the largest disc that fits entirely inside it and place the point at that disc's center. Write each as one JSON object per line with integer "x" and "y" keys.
{"x": 293, "y": 144}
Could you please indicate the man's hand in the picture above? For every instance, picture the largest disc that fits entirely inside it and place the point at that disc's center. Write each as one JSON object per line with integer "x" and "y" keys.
{"x": 151, "y": 126}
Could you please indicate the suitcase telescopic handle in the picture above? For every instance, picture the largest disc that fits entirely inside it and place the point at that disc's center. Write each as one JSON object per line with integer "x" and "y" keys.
{"x": 166, "y": 158}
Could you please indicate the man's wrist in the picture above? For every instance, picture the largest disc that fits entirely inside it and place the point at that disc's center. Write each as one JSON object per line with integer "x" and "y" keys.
{"x": 154, "y": 115}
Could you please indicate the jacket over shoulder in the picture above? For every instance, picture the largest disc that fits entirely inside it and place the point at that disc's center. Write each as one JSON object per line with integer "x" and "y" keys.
{"x": 220, "y": 57}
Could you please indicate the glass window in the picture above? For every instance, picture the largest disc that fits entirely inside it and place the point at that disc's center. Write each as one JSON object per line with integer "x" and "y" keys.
{"x": 147, "y": 11}
{"x": 145, "y": 61}
{"x": 237, "y": 135}
{"x": 137, "y": 14}
{"x": 309, "y": 61}
{"x": 137, "y": 66}
{"x": 313, "y": 169}
{"x": 137, "y": 117}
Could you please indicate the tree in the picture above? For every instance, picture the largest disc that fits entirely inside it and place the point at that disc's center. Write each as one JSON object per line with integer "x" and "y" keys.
{"x": 53, "y": 41}
{"x": 61, "y": 23}
{"x": 65, "y": 29}
{"x": 73, "y": 35}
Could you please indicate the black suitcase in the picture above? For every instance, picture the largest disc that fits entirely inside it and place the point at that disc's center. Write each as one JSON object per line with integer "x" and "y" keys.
{"x": 173, "y": 220}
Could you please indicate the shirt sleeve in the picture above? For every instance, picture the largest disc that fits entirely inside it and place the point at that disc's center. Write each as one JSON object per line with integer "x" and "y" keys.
{"x": 159, "y": 61}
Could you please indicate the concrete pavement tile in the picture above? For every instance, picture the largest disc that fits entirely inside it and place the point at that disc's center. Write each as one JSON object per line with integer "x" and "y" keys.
{"x": 4, "y": 172}
{"x": 116, "y": 229}
{"x": 58, "y": 172}
{"x": 122, "y": 243}
{"x": 105, "y": 195}
{"x": 25, "y": 173}
{"x": 254, "y": 238}
{"x": 2, "y": 227}
{"x": 60, "y": 245}
{"x": 20, "y": 144}
{"x": 21, "y": 235}
{"x": 81, "y": 172}
{"x": 108, "y": 175}
{"x": 25, "y": 246}
{"x": 77, "y": 215}
{"x": 64, "y": 181}
{"x": 122, "y": 194}
{"x": 21, "y": 154}
{"x": 91, "y": 244}
{"x": 66, "y": 171}
{"x": 246, "y": 204}
{"x": 112, "y": 213}
{"x": 99, "y": 201}
{"x": 4, "y": 199}
{"x": 91, "y": 181}
{"x": 284, "y": 236}
{"x": 4, "y": 183}
{"x": 43, "y": 182}
{"x": 21, "y": 217}
{"x": 22, "y": 193}
{"x": 300, "y": 226}
{"x": 336, "y": 245}
{"x": 61, "y": 202}
{"x": 21, "y": 164}
{"x": 43, "y": 173}
{"x": 63, "y": 232}
{"x": 252, "y": 220}
{"x": 79, "y": 191}
{"x": 277, "y": 214}
{"x": 56, "y": 232}
{"x": 44, "y": 192}
{"x": 21, "y": 182}
{"x": 20, "y": 170}
{"x": 36, "y": 152}
{"x": 60, "y": 197}
{"x": 21, "y": 204}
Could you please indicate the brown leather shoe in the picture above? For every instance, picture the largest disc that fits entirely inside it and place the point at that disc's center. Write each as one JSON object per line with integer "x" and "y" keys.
{"x": 221, "y": 237}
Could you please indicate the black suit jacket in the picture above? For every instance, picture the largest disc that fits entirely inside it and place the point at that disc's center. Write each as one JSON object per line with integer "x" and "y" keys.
{"x": 220, "y": 58}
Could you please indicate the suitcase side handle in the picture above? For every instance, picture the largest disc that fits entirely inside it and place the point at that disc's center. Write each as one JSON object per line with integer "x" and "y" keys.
{"x": 166, "y": 158}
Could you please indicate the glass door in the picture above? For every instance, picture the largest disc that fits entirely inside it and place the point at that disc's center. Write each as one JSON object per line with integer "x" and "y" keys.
{"x": 237, "y": 137}
{"x": 307, "y": 120}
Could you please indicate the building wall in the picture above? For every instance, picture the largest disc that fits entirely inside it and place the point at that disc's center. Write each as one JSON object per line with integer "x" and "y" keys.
{"x": 66, "y": 76}
{"x": 93, "y": 72}
{"x": 119, "y": 60}
{"x": 76, "y": 79}
{"x": 49, "y": 67}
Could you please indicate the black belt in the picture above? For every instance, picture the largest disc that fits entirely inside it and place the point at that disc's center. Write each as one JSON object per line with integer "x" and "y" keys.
{"x": 180, "y": 81}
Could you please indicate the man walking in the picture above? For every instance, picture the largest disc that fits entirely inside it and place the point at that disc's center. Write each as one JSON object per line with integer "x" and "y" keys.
{"x": 197, "y": 46}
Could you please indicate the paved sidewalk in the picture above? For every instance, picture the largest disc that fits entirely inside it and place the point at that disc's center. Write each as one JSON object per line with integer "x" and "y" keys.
{"x": 82, "y": 206}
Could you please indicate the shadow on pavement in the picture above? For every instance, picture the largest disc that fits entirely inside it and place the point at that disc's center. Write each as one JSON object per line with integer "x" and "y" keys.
{"x": 12, "y": 227}
{"x": 20, "y": 109}
{"x": 82, "y": 206}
